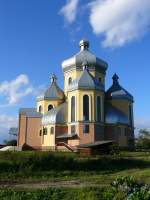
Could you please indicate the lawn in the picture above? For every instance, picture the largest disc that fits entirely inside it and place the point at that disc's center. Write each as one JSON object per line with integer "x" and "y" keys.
{"x": 62, "y": 174}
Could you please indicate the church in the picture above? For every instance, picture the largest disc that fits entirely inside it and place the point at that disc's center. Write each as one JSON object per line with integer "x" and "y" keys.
{"x": 82, "y": 115}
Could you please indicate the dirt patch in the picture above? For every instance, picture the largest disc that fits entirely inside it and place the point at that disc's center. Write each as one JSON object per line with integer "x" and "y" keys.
{"x": 42, "y": 185}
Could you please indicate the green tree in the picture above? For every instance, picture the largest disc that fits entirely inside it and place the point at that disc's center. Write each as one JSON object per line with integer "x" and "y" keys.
{"x": 143, "y": 140}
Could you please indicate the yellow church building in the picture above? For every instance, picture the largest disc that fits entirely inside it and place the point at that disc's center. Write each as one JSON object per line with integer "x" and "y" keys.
{"x": 84, "y": 114}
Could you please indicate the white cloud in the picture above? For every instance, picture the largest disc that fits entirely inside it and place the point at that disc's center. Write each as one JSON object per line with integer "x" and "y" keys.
{"x": 120, "y": 21}
{"x": 69, "y": 11}
{"x": 12, "y": 92}
{"x": 6, "y": 122}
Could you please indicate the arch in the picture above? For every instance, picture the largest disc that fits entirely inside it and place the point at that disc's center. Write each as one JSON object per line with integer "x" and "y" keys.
{"x": 69, "y": 80}
{"x": 85, "y": 107}
{"x": 52, "y": 130}
{"x": 72, "y": 108}
{"x": 40, "y": 109}
{"x": 98, "y": 108}
{"x": 50, "y": 107}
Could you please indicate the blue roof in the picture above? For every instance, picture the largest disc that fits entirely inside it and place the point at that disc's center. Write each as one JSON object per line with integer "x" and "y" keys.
{"x": 118, "y": 92}
{"x": 56, "y": 115}
{"x": 30, "y": 112}
{"x": 53, "y": 92}
{"x": 84, "y": 56}
{"x": 85, "y": 81}
{"x": 115, "y": 116}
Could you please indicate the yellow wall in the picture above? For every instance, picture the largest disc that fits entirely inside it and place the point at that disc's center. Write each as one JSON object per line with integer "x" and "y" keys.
{"x": 49, "y": 139}
{"x": 79, "y": 104}
{"x": 46, "y": 103}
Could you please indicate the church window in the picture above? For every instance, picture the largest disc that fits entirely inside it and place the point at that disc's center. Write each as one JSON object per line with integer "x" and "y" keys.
{"x": 40, "y": 108}
{"x": 73, "y": 129}
{"x": 52, "y": 130}
{"x": 85, "y": 107}
{"x": 40, "y": 133}
{"x": 72, "y": 108}
{"x": 69, "y": 80}
{"x": 50, "y": 107}
{"x": 100, "y": 79}
{"x": 98, "y": 108}
{"x": 130, "y": 115}
{"x": 85, "y": 128}
{"x": 45, "y": 131}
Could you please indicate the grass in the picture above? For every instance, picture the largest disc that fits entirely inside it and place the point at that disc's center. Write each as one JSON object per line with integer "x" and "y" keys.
{"x": 54, "y": 194}
{"x": 95, "y": 172}
{"x": 35, "y": 166}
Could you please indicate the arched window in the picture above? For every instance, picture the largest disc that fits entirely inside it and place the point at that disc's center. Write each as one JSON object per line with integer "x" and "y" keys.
{"x": 52, "y": 130}
{"x": 69, "y": 80}
{"x": 98, "y": 108}
{"x": 85, "y": 107}
{"x": 45, "y": 131}
{"x": 73, "y": 109}
{"x": 130, "y": 115}
{"x": 40, "y": 133}
{"x": 40, "y": 108}
{"x": 50, "y": 107}
{"x": 100, "y": 79}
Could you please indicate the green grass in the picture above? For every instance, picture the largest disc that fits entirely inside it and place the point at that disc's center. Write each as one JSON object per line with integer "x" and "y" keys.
{"x": 49, "y": 166}
{"x": 53, "y": 194}
{"x": 95, "y": 172}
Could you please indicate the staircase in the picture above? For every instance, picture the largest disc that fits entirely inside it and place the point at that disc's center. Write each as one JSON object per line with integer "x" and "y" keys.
{"x": 65, "y": 147}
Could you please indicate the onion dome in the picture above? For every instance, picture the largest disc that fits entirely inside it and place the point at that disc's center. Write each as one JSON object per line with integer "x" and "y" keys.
{"x": 53, "y": 92}
{"x": 56, "y": 115}
{"x": 118, "y": 92}
{"x": 84, "y": 56}
{"x": 85, "y": 81}
{"x": 115, "y": 116}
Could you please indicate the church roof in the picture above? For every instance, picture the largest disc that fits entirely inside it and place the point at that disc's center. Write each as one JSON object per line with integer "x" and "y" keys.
{"x": 85, "y": 81}
{"x": 115, "y": 116}
{"x": 53, "y": 92}
{"x": 56, "y": 115}
{"x": 30, "y": 112}
{"x": 118, "y": 92}
{"x": 84, "y": 56}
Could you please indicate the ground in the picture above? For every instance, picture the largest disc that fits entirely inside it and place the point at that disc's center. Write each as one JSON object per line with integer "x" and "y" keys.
{"x": 42, "y": 172}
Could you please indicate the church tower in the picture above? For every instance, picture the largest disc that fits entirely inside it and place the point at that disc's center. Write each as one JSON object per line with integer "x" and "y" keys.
{"x": 84, "y": 86}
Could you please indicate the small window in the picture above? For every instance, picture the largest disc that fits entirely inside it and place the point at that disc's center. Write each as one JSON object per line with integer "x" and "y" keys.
{"x": 119, "y": 131}
{"x": 50, "y": 107}
{"x": 100, "y": 79}
{"x": 40, "y": 133}
{"x": 69, "y": 80}
{"x": 40, "y": 108}
{"x": 45, "y": 131}
{"x": 52, "y": 130}
{"x": 85, "y": 107}
{"x": 73, "y": 129}
{"x": 85, "y": 128}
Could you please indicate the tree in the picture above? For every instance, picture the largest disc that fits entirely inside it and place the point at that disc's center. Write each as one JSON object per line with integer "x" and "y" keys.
{"x": 143, "y": 140}
{"x": 10, "y": 142}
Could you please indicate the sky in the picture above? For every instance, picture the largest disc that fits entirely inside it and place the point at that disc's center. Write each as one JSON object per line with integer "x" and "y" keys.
{"x": 37, "y": 35}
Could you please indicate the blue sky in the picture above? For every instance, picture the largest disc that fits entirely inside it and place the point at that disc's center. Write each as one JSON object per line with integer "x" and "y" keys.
{"x": 36, "y": 36}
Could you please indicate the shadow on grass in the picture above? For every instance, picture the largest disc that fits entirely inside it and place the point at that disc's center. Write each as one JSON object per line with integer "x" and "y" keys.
{"x": 36, "y": 162}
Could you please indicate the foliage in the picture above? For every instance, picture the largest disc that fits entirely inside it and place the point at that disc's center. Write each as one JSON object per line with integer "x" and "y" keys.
{"x": 130, "y": 189}
{"x": 53, "y": 194}
{"x": 143, "y": 140}
{"x": 114, "y": 149}
{"x": 10, "y": 142}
